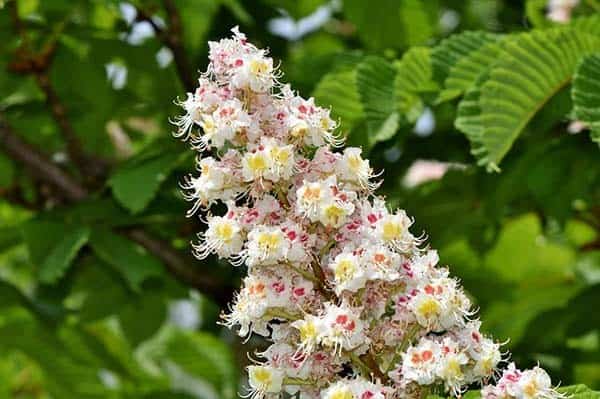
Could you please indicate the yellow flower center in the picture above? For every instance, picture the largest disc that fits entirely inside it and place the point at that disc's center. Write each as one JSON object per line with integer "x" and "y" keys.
{"x": 224, "y": 232}
{"x": 344, "y": 270}
{"x": 280, "y": 155}
{"x": 300, "y": 129}
{"x": 342, "y": 393}
{"x": 262, "y": 377}
{"x": 268, "y": 241}
{"x": 257, "y": 163}
{"x": 392, "y": 231}
{"x": 531, "y": 389}
{"x": 258, "y": 67}
{"x": 453, "y": 369}
{"x": 308, "y": 331}
{"x": 334, "y": 213}
{"x": 354, "y": 163}
{"x": 428, "y": 308}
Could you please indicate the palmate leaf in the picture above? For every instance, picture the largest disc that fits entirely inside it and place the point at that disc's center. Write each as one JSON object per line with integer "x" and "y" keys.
{"x": 579, "y": 392}
{"x": 446, "y": 55}
{"x": 135, "y": 184}
{"x": 382, "y": 24}
{"x": 531, "y": 69}
{"x": 586, "y": 94}
{"x": 337, "y": 90}
{"x": 59, "y": 259}
{"x": 375, "y": 77}
{"x": 467, "y": 69}
{"x": 52, "y": 246}
{"x": 129, "y": 259}
{"x": 414, "y": 76}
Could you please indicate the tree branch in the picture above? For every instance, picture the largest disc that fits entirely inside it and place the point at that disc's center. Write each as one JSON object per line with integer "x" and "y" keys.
{"x": 72, "y": 191}
{"x": 39, "y": 165}
{"x": 29, "y": 62}
{"x": 172, "y": 38}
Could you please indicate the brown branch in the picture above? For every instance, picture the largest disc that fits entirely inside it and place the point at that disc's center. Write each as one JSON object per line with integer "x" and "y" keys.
{"x": 92, "y": 167}
{"x": 181, "y": 267}
{"x": 29, "y": 62}
{"x": 72, "y": 191}
{"x": 38, "y": 164}
{"x": 172, "y": 38}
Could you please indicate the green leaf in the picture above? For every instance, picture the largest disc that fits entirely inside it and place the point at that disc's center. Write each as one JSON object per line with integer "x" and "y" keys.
{"x": 7, "y": 167}
{"x": 579, "y": 392}
{"x": 196, "y": 17}
{"x": 60, "y": 258}
{"x": 531, "y": 70}
{"x": 129, "y": 259}
{"x": 383, "y": 24}
{"x": 204, "y": 357}
{"x": 416, "y": 22}
{"x": 377, "y": 23}
{"x": 52, "y": 246}
{"x": 468, "y": 68}
{"x": 375, "y": 82}
{"x": 446, "y": 55}
{"x": 136, "y": 183}
{"x": 413, "y": 77}
{"x": 586, "y": 94}
{"x": 338, "y": 91}
{"x": 468, "y": 117}
{"x": 588, "y": 24}
{"x": 536, "y": 13}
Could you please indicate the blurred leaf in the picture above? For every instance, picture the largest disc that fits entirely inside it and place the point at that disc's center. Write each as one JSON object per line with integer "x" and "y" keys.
{"x": 417, "y": 23}
{"x": 61, "y": 256}
{"x": 8, "y": 171}
{"x": 40, "y": 236}
{"x": 376, "y": 23}
{"x": 196, "y": 18}
{"x": 536, "y": 11}
{"x": 338, "y": 90}
{"x": 413, "y": 77}
{"x": 384, "y": 24}
{"x": 529, "y": 73}
{"x": 136, "y": 183}
{"x": 374, "y": 80}
{"x": 199, "y": 354}
{"x": 586, "y": 94}
{"x": 129, "y": 259}
{"x": 579, "y": 392}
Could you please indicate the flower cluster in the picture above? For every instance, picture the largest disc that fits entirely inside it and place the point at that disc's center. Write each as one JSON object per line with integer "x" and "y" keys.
{"x": 352, "y": 304}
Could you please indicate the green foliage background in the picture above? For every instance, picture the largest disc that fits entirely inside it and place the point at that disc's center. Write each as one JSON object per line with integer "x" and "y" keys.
{"x": 98, "y": 295}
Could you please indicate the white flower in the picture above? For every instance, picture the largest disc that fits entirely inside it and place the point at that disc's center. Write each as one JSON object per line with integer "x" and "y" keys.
{"x": 311, "y": 328}
{"x": 266, "y": 246}
{"x": 348, "y": 273}
{"x": 255, "y": 72}
{"x": 339, "y": 390}
{"x": 282, "y": 161}
{"x": 343, "y": 328}
{"x": 450, "y": 366}
{"x": 256, "y": 164}
{"x": 312, "y": 195}
{"x": 534, "y": 384}
{"x": 264, "y": 380}
{"x": 419, "y": 363}
{"x": 222, "y": 237}
{"x": 393, "y": 230}
{"x": 357, "y": 388}
{"x": 355, "y": 169}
